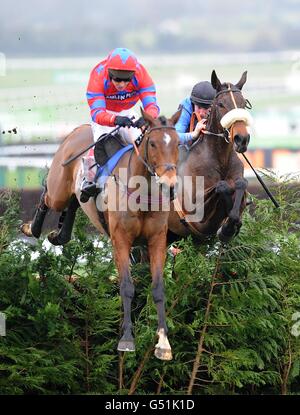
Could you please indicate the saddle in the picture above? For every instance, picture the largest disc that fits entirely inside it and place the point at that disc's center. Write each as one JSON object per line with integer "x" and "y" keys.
{"x": 107, "y": 146}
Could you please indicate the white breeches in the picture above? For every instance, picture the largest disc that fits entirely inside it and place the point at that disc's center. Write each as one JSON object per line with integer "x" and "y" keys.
{"x": 128, "y": 134}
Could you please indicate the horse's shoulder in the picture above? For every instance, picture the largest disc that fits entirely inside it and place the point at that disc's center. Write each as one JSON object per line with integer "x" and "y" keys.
{"x": 123, "y": 162}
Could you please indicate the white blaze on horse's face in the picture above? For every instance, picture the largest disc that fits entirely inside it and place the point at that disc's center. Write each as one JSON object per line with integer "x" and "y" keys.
{"x": 167, "y": 138}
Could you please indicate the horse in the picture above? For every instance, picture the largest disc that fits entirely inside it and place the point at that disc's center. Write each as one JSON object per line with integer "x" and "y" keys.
{"x": 213, "y": 156}
{"x": 156, "y": 156}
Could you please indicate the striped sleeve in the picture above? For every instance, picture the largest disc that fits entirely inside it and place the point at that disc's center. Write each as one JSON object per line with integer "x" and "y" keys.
{"x": 96, "y": 99}
{"x": 147, "y": 93}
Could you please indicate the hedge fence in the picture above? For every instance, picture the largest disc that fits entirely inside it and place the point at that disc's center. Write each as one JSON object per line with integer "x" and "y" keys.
{"x": 231, "y": 312}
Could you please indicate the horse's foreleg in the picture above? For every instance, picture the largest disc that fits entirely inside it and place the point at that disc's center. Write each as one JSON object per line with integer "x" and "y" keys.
{"x": 233, "y": 223}
{"x": 121, "y": 253}
{"x": 66, "y": 222}
{"x": 225, "y": 192}
{"x": 157, "y": 255}
{"x": 240, "y": 189}
{"x": 34, "y": 227}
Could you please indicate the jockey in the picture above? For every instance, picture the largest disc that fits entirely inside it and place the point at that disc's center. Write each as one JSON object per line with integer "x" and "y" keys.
{"x": 195, "y": 110}
{"x": 116, "y": 84}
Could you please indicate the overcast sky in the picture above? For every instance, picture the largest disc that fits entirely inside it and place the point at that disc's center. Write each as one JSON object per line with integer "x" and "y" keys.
{"x": 49, "y": 27}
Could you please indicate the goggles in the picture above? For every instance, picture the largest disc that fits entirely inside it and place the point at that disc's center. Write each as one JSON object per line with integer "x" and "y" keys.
{"x": 116, "y": 79}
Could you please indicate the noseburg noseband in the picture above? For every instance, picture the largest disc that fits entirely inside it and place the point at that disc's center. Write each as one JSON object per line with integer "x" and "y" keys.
{"x": 232, "y": 116}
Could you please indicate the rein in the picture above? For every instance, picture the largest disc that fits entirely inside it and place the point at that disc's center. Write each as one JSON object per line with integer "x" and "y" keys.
{"x": 227, "y": 133}
{"x": 145, "y": 159}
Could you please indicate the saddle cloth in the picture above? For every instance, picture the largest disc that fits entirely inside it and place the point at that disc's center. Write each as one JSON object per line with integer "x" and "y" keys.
{"x": 103, "y": 172}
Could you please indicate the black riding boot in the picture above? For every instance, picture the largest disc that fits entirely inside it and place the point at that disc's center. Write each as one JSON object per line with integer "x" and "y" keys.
{"x": 88, "y": 187}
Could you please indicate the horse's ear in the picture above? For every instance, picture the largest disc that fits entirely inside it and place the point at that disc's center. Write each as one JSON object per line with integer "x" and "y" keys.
{"x": 242, "y": 81}
{"x": 175, "y": 117}
{"x": 215, "y": 81}
{"x": 148, "y": 118}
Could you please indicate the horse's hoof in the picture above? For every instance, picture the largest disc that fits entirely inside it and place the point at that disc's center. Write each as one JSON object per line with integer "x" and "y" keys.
{"x": 57, "y": 239}
{"x": 163, "y": 354}
{"x": 223, "y": 238}
{"x": 54, "y": 239}
{"x": 126, "y": 346}
{"x": 26, "y": 229}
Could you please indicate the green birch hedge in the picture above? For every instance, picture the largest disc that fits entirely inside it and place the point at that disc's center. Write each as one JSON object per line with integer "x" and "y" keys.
{"x": 231, "y": 312}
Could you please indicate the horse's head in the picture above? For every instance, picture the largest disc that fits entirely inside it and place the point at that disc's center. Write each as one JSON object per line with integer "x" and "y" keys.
{"x": 161, "y": 149}
{"x": 229, "y": 106}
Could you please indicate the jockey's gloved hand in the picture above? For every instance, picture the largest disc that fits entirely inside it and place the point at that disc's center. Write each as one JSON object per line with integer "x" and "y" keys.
{"x": 200, "y": 127}
{"x": 140, "y": 123}
{"x": 123, "y": 121}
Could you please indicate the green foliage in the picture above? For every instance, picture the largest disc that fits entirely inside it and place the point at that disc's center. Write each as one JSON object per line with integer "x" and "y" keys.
{"x": 63, "y": 312}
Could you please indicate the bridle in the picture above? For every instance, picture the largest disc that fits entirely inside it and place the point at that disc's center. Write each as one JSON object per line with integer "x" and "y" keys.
{"x": 145, "y": 160}
{"x": 227, "y": 133}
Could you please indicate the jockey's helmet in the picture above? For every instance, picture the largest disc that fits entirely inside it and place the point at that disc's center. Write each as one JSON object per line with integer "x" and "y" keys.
{"x": 203, "y": 94}
{"x": 121, "y": 63}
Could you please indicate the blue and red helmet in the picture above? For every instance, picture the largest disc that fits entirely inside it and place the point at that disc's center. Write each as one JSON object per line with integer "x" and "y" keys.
{"x": 121, "y": 63}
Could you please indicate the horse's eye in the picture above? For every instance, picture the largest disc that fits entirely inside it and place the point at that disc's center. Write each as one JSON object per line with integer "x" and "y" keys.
{"x": 152, "y": 144}
{"x": 221, "y": 105}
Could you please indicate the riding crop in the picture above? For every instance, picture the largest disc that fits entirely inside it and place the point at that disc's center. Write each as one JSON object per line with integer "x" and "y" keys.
{"x": 262, "y": 183}
{"x": 66, "y": 162}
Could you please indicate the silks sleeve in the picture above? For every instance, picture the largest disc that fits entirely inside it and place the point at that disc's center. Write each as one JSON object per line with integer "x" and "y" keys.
{"x": 147, "y": 93}
{"x": 96, "y": 100}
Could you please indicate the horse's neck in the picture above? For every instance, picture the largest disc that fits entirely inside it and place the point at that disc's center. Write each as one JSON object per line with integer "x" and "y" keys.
{"x": 210, "y": 152}
{"x": 219, "y": 149}
{"x": 136, "y": 166}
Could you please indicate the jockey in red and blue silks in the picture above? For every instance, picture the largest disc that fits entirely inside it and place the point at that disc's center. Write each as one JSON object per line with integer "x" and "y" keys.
{"x": 116, "y": 84}
{"x": 194, "y": 112}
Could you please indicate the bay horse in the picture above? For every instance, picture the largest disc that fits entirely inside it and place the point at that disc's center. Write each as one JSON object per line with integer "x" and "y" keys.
{"x": 214, "y": 157}
{"x": 157, "y": 155}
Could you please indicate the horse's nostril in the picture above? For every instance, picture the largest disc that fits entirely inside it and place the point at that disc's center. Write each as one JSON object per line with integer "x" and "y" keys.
{"x": 237, "y": 138}
{"x": 241, "y": 139}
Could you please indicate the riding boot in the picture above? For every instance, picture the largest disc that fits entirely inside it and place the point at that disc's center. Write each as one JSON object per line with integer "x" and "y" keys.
{"x": 88, "y": 186}
{"x": 38, "y": 220}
